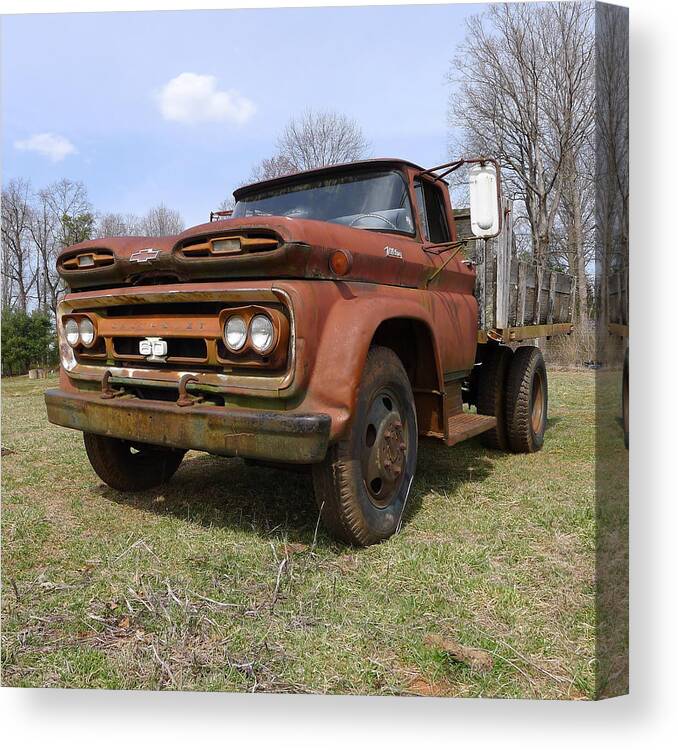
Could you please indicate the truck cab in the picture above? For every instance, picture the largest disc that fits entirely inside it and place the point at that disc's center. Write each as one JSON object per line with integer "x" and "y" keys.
{"x": 331, "y": 321}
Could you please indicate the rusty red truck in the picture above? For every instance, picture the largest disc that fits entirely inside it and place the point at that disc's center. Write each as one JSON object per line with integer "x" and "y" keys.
{"x": 334, "y": 319}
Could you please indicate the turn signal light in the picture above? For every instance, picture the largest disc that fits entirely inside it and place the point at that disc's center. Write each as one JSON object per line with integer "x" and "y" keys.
{"x": 341, "y": 262}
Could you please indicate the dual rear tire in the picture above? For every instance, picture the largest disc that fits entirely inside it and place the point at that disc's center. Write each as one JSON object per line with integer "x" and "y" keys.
{"x": 513, "y": 387}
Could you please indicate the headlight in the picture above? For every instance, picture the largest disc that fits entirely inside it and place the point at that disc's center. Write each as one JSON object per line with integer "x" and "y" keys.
{"x": 72, "y": 331}
{"x": 235, "y": 333}
{"x": 262, "y": 333}
{"x": 86, "y": 332}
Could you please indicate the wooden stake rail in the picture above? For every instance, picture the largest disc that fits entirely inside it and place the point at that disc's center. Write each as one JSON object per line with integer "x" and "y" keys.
{"x": 517, "y": 299}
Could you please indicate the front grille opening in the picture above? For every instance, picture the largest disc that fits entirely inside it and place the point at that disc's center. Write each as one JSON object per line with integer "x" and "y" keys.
{"x": 229, "y": 356}
{"x": 96, "y": 350}
{"x": 83, "y": 261}
{"x": 126, "y": 346}
{"x": 188, "y": 348}
{"x": 224, "y": 245}
{"x": 177, "y": 348}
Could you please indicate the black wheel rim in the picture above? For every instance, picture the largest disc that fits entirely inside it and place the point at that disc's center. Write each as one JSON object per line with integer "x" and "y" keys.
{"x": 384, "y": 448}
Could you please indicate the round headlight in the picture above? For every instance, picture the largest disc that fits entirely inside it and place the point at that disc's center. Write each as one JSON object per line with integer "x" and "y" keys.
{"x": 235, "y": 333}
{"x": 72, "y": 331}
{"x": 86, "y": 331}
{"x": 261, "y": 330}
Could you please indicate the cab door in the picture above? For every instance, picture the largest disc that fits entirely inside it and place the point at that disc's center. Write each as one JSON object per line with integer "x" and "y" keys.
{"x": 451, "y": 292}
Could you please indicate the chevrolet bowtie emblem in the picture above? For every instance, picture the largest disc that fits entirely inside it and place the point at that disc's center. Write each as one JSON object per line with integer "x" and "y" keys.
{"x": 144, "y": 256}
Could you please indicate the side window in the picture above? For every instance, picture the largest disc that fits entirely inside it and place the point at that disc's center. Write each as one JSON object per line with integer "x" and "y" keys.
{"x": 432, "y": 211}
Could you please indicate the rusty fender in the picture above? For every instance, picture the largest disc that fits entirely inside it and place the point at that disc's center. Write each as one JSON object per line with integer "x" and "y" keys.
{"x": 351, "y": 314}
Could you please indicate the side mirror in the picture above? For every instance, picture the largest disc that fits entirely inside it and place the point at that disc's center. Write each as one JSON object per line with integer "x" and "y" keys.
{"x": 485, "y": 213}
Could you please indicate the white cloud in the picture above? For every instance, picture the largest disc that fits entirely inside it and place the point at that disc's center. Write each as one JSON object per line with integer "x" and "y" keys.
{"x": 54, "y": 147}
{"x": 195, "y": 98}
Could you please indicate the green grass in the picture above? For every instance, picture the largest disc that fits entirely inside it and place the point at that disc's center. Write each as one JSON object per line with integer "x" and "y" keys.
{"x": 214, "y": 582}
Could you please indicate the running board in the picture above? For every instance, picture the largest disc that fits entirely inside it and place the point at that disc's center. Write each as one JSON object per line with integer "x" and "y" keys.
{"x": 467, "y": 425}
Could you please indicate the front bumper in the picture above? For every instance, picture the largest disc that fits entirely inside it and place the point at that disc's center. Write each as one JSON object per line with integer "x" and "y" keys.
{"x": 288, "y": 437}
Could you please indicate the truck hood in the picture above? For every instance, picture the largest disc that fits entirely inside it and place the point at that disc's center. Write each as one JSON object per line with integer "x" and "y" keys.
{"x": 287, "y": 248}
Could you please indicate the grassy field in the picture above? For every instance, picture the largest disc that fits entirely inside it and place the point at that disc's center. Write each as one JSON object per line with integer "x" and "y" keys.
{"x": 219, "y": 581}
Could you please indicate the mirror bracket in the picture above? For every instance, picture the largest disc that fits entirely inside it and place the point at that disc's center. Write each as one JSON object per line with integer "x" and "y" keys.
{"x": 452, "y": 166}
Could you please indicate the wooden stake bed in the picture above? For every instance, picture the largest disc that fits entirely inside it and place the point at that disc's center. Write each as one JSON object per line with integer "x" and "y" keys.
{"x": 467, "y": 425}
{"x": 517, "y": 299}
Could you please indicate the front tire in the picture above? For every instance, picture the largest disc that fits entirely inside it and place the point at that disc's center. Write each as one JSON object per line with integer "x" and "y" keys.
{"x": 526, "y": 400}
{"x": 128, "y": 466}
{"x": 362, "y": 485}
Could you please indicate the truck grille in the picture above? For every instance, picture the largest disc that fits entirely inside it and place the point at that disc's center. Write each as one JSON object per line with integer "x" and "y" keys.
{"x": 183, "y": 350}
{"x": 191, "y": 333}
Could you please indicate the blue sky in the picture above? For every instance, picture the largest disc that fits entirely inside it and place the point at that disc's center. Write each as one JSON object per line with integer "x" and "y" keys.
{"x": 100, "y": 97}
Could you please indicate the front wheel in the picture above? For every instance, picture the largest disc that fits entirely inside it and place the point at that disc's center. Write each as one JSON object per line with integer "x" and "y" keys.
{"x": 362, "y": 485}
{"x": 129, "y": 466}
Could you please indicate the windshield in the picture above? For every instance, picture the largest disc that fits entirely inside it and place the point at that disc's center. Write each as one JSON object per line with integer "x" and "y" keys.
{"x": 365, "y": 200}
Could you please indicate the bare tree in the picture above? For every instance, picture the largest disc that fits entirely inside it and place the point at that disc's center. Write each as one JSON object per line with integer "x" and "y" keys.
{"x": 612, "y": 155}
{"x": 62, "y": 216}
{"x": 523, "y": 77}
{"x": 228, "y": 204}
{"x": 576, "y": 216}
{"x": 268, "y": 169}
{"x": 117, "y": 225}
{"x": 42, "y": 228}
{"x": 318, "y": 139}
{"x": 570, "y": 106}
{"x": 311, "y": 140}
{"x": 161, "y": 221}
{"x": 18, "y": 262}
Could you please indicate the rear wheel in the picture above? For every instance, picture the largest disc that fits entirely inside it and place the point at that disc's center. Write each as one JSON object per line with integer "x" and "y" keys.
{"x": 130, "y": 466}
{"x": 491, "y": 394}
{"x": 526, "y": 400}
{"x": 362, "y": 485}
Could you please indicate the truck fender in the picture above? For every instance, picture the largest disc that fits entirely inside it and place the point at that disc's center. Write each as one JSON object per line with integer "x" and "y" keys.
{"x": 345, "y": 340}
